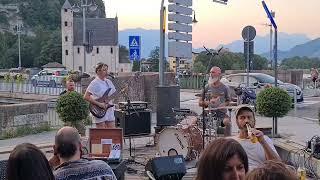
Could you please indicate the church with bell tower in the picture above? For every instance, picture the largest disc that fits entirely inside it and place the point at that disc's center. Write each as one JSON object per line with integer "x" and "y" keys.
{"x": 101, "y": 42}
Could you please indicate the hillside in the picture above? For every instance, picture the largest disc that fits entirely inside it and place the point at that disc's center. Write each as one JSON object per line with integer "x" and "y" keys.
{"x": 309, "y": 49}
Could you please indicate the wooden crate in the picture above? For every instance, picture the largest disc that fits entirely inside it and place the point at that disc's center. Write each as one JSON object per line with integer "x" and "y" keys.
{"x": 101, "y": 139}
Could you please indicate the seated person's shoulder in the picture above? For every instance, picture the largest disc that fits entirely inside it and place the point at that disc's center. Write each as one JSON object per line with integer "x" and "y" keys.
{"x": 100, "y": 163}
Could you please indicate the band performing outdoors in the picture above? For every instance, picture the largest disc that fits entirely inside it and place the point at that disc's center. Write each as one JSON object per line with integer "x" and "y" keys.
{"x": 206, "y": 137}
{"x": 218, "y": 136}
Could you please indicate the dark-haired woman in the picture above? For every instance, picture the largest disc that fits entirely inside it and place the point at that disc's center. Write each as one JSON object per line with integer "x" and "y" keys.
{"x": 223, "y": 159}
{"x": 27, "y": 162}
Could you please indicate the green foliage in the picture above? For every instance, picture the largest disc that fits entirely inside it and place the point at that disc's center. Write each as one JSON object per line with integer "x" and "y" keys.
{"x": 273, "y": 102}
{"x": 8, "y": 77}
{"x": 136, "y": 66}
{"x": 154, "y": 60}
{"x": 227, "y": 61}
{"x": 300, "y": 63}
{"x": 72, "y": 108}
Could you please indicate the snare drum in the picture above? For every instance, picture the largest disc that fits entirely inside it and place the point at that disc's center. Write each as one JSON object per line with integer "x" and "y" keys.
{"x": 181, "y": 140}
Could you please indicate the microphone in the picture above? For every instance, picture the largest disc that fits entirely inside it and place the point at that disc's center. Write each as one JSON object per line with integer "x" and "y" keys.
{"x": 111, "y": 75}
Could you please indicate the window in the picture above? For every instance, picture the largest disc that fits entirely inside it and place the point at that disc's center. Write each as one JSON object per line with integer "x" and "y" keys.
{"x": 98, "y": 50}
{"x": 66, "y": 38}
{"x": 236, "y": 79}
{"x": 173, "y": 61}
{"x": 65, "y": 10}
{"x": 111, "y": 50}
{"x": 78, "y": 50}
{"x": 65, "y": 23}
{"x": 67, "y": 52}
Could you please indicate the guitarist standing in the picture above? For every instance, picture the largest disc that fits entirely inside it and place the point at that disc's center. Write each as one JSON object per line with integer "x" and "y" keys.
{"x": 96, "y": 90}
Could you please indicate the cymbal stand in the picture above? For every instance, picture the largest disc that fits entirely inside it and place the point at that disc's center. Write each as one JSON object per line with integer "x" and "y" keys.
{"x": 213, "y": 54}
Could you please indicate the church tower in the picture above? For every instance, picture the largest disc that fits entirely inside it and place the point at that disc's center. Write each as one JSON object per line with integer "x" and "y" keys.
{"x": 67, "y": 35}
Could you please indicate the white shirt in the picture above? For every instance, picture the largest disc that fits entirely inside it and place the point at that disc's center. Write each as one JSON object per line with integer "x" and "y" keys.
{"x": 97, "y": 88}
{"x": 255, "y": 151}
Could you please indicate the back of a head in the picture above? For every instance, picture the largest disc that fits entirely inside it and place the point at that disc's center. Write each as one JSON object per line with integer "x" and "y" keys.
{"x": 272, "y": 170}
{"x": 27, "y": 162}
{"x": 67, "y": 142}
{"x": 215, "y": 156}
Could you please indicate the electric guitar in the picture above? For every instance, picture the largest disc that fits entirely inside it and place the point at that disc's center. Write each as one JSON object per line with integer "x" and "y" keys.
{"x": 99, "y": 112}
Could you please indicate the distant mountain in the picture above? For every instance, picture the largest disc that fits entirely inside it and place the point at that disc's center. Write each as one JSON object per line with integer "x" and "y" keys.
{"x": 149, "y": 39}
{"x": 309, "y": 49}
{"x": 262, "y": 43}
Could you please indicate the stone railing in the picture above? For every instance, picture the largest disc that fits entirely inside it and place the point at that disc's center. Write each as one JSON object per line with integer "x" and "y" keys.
{"x": 13, "y": 116}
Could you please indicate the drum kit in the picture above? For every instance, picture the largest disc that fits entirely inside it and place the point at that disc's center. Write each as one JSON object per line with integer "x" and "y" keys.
{"x": 186, "y": 138}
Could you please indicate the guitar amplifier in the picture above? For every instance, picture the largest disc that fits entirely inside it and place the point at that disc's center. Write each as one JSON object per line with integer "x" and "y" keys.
{"x": 133, "y": 106}
{"x": 134, "y": 123}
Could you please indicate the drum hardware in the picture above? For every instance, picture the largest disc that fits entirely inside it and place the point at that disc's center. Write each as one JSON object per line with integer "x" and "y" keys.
{"x": 182, "y": 139}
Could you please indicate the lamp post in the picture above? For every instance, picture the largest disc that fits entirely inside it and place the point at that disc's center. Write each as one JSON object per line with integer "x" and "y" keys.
{"x": 18, "y": 29}
{"x": 271, "y": 35}
{"x": 76, "y": 8}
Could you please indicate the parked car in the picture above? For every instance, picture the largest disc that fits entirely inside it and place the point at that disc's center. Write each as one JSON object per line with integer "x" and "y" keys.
{"x": 50, "y": 78}
{"x": 258, "y": 81}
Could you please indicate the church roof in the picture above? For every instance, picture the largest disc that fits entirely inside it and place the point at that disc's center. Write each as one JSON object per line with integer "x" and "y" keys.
{"x": 66, "y": 5}
{"x": 100, "y": 31}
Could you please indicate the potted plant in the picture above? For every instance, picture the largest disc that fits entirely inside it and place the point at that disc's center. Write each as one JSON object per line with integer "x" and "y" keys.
{"x": 273, "y": 102}
{"x": 73, "y": 110}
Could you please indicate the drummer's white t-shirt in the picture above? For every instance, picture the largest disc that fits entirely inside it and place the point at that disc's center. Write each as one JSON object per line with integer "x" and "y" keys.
{"x": 97, "y": 88}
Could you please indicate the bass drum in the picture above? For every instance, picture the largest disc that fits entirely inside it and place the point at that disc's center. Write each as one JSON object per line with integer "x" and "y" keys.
{"x": 180, "y": 141}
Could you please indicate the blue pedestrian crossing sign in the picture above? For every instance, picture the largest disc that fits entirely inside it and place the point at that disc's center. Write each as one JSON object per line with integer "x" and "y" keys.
{"x": 134, "y": 48}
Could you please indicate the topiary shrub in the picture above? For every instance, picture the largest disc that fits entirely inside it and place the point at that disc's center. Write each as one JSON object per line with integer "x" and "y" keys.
{"x": 73, "y": 110}
{"x": 273, "y": 102}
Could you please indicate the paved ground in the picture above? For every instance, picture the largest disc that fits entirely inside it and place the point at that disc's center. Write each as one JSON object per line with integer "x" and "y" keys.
{"x": 299, "y": 126}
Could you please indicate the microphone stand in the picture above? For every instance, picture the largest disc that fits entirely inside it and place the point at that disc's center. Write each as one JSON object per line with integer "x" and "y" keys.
{"x": 213, "y": 54}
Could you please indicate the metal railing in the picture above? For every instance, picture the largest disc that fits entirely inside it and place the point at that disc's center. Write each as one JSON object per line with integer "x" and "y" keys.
{"x": 29, "y": 87}
{"x": 191, "y": 82}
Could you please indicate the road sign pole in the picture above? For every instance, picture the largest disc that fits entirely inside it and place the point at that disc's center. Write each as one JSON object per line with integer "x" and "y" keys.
{"x": 248, "y": 57}
{"x": 276, "y": 56}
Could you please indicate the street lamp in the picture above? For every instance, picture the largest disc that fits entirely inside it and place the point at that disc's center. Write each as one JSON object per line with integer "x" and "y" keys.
{"x": 18, "y": 30}
{"x": 76, "y": 8}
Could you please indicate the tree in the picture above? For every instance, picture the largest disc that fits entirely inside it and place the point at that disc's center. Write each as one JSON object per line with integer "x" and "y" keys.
{"x": 227, "y": 61}
{"x": 300, "y": 63}
{"x": 154, "y": 59}
{"x": 73, "y": 109}
{"x": 136, "y": 66}
{"x": 273, "y": 102}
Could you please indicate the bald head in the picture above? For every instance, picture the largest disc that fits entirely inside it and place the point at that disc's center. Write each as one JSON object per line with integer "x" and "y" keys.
{"x": 215, "y": 71}
{"x": 67, "y": 142}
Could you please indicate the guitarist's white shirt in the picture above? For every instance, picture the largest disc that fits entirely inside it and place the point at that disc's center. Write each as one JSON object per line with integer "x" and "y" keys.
{"x": 97, "y": 88}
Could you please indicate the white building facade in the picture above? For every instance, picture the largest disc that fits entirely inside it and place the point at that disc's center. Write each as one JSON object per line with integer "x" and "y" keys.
{"x": 101, "y": 42}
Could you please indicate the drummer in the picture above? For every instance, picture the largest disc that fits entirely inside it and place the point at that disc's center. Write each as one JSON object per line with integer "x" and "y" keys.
{"x": 218, "y": 97}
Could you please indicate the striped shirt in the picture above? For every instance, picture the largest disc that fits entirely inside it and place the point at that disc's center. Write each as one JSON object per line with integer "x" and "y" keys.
{"x": 84, "y": 169}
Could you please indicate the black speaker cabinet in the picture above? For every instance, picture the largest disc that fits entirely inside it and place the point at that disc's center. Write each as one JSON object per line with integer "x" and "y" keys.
{"x": 134, "y": 123}
{"x": 168, "y": 97}
{"x": 168, "y": 167}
